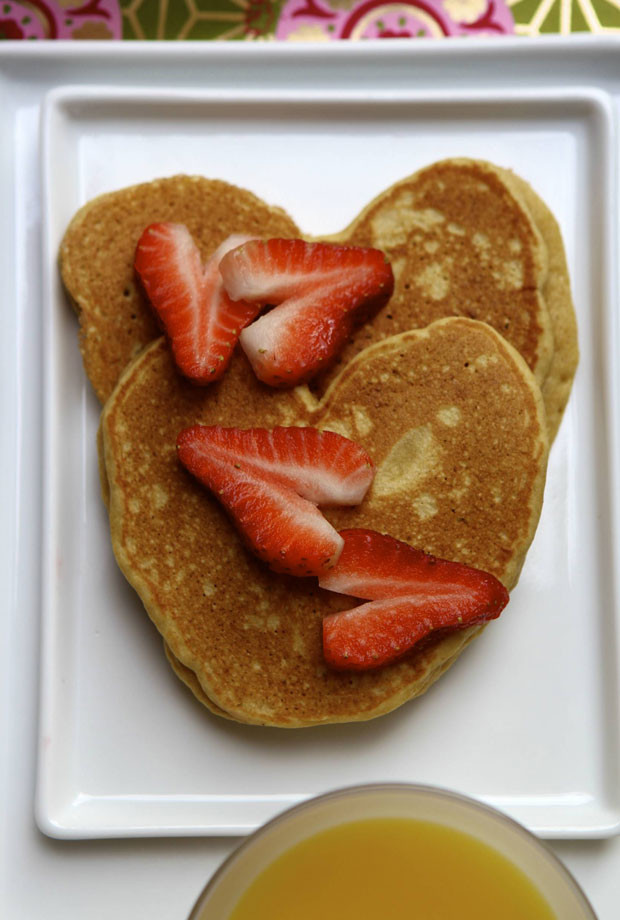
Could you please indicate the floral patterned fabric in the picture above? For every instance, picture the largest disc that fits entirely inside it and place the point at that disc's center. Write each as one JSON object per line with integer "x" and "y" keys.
{"x": 36, "y": 19}
{"x": 300, "y": 20}
{"x": 310, "y": 19}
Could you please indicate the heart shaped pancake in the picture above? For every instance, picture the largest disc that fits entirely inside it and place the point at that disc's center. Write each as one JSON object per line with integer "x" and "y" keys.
{"x": 464, "y": 238}
{"x": 455, "y": 424}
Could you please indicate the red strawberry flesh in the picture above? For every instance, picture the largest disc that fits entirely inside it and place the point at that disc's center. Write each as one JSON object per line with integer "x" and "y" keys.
{"x": 270, "y": 481}
{"x": 201, "y": 321}
{"x": 412, "y": 595}
{"x": 320, "y": 292}
{"x": 374, "y": 566}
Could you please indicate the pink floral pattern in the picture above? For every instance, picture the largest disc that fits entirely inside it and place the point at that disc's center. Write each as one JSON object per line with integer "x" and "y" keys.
{"x": 38, "y": 19}
{"x": 358, "y": 19}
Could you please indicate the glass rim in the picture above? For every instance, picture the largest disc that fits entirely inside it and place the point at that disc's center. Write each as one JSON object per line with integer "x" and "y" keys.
{"x": 403, "y": 787}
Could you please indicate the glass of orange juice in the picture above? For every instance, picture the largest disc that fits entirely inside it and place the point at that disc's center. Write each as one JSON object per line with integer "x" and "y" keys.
{"x": 394, "y": 851}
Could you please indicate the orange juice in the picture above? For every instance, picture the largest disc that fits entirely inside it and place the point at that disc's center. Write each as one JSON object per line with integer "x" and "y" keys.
{"x": 392, "y": 869}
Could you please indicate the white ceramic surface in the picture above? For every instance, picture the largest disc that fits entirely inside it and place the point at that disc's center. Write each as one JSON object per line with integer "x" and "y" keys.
{"x": 107, "y": 690}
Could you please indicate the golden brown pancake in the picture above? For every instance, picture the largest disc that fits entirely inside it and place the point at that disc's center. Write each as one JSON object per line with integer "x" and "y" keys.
{"x": 556, "y": 291}
{"x": 97, "y": 253}
{"x": 455, "y": 423}
{"x": 460, "y": 244}
{"x": 192, "y": 683}
{"x": 464, "y": 237}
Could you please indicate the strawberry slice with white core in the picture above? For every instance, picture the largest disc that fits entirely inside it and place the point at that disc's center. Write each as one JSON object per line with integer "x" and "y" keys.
{"x": 319, "y": 292}
{"x": 411, "y": 593}
{"x": 271, "y": 481}
{"x": 201, "y": 321}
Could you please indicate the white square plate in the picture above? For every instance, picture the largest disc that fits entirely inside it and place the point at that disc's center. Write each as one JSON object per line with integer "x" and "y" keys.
{"x": 528, "y": 718}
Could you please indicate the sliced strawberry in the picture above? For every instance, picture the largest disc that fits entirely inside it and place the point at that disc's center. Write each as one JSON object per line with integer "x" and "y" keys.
{"x": 320, "y": 291}
{"x": 270, "y": 481}
{"x": 412, "y": 595}
{"x": 199, "y": 318}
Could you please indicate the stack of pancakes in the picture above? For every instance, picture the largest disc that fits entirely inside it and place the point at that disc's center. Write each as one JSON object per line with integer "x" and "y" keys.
{"x": 456, "y": 389}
